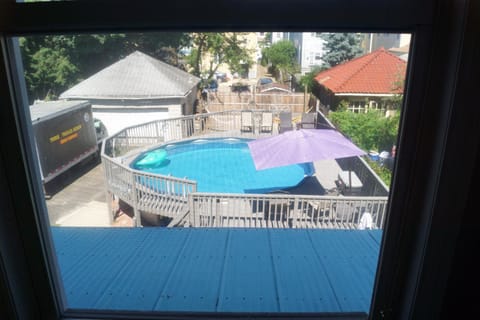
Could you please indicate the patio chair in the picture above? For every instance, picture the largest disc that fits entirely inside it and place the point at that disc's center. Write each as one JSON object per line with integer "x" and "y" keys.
{"x": 267, "y": 122}
{"x": 277, "y": 213}
{"x": 318, "y": 210}
{"x": 246, "y": 121}
{"x": 344, "y": 211}
{"x": 285, "y": 122}
{"x": 308, "y": 121}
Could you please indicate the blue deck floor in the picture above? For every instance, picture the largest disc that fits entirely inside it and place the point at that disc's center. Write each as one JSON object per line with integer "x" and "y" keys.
{"x": 218, "y": 270}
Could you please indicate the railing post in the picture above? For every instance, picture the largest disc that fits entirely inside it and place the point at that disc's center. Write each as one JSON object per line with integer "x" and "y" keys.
{"x": 109, "y": 196}
{"x": 136, "y": 212}
{"x": 191, "y": 209}
{"x": 157, "y": 129}
{"x": 295, "y": 214}
{"x": 127, "y": 140}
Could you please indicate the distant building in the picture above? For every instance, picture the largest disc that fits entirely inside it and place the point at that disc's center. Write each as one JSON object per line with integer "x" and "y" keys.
{"x": 401, "y": 52}
{"x": 374, "y": 41}
{"x": 277, "y": 36}
{"x": 367, "y": 82}
{"x": 309, "y": 47}
{"x": 135, "y": 90}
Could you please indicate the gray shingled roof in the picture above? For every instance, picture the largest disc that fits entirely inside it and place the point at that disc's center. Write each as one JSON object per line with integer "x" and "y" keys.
{"x": 137, "y": 76}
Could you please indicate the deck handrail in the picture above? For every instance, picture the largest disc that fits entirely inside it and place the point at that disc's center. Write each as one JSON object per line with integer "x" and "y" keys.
{"x": 153, "y": 193}
{"x": 283, "y": 211}
{"x": 167, "y": 130}
{"x": 175, "y": 129}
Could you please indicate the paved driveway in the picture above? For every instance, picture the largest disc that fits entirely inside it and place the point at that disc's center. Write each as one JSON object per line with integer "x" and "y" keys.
{"x": 78, "y": 197}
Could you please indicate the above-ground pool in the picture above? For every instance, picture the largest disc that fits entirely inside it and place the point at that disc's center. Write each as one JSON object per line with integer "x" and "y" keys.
{"x": 220, "y": 166}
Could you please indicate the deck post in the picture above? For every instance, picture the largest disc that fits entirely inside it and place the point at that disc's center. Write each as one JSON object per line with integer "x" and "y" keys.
{"x": 136, "y": 212}
{"x": 191, "y": 211}
{"x": 108, "y": 194}
{"x": 295, "y": 216}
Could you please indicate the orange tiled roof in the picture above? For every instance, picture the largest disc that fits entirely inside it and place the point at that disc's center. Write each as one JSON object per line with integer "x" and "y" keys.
{"x": 378, "y": 72}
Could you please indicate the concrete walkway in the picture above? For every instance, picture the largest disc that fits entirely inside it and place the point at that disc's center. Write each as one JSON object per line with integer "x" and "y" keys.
{"x": 92, "y": 214}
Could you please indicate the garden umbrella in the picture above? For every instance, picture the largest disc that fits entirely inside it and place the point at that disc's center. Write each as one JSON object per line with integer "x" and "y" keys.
{"x": 300, "y": 146}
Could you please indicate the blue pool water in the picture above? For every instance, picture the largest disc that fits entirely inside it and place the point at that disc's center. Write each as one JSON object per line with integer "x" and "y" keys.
{"x": 221, "y": 166}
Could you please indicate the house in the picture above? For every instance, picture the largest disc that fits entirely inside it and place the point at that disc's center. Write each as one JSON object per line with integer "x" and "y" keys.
{"x": 374, "y": 41}
{"x": 136, "y": 89}
{"x": 309, "y": 47}
{"x": 402, "y": 51}
{"x": 371, "y": 81}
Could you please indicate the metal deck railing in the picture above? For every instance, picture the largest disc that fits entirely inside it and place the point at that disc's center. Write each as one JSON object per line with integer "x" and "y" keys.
{"x": 283, "y": 211}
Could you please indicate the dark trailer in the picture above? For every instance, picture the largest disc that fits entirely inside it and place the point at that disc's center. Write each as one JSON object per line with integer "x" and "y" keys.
{"x": 64, "y": 135}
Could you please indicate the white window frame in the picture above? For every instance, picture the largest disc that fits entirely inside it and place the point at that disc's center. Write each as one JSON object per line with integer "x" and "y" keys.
{"x": 377, "y": 105}
{"x": 357, "y": 106}
{"x": 410, "y": 254}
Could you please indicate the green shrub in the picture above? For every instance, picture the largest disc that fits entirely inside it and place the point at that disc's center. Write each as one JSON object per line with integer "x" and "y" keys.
{"x": 382, "y": 172}
{"x": 370, "y": 130}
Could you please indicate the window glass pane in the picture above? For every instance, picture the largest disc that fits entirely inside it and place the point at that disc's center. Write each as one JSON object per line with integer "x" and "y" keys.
{"x": 170, "y": 180}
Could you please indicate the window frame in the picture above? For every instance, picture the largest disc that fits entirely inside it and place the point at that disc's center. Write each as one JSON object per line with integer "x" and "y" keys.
{"x": 424, "y": 160}
{"x": 357, "y": 106}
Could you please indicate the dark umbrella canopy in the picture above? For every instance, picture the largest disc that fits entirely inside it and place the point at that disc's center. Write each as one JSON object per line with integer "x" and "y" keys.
{"x": 300, "y": 146}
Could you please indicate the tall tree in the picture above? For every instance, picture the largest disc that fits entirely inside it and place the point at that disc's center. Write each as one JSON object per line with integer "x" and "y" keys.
{"x": 164, "y": 46}
{"x": 49, "y": 68}
{"x": 308, "y": 80}
{"x": 281, "y": 56}
{"x": 210, "y": 50}
{"x": 340, "y": 47}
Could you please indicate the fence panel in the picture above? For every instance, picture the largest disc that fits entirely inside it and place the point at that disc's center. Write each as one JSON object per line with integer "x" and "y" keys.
{"x": 280, "y": 102}
{"x": 226, "y": 101}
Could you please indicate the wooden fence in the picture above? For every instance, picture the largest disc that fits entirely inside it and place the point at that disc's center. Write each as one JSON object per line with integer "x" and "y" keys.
{"x": 226, "y": 101}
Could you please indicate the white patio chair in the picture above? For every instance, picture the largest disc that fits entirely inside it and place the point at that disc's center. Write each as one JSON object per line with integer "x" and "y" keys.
{"x": 267, "y": 122}
{"x": 246, "y": 121}
{"x": 344, "y": 211}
